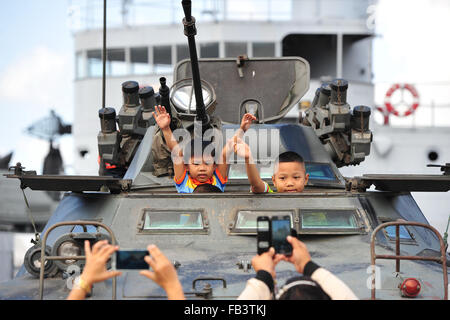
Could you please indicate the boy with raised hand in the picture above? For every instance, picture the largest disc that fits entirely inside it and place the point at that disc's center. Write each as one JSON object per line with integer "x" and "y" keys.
{"x": 197, "y": 169}
{"x": 289, "y": 172}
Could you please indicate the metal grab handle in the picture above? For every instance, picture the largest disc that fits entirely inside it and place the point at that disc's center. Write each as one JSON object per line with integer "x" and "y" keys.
{"x": 205, "y": 279}
{"x": 442, "y": 259}
{"x": 45, "y": 258}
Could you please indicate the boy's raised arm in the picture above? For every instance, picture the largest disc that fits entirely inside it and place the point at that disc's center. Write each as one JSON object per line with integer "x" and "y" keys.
{"x": 246, "y": 122}
{"x": 163, "y": 120}
{"x": 243, "y": 150}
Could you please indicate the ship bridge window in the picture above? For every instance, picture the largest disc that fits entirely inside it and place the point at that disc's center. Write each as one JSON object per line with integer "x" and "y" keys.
{"x": 316, "y": 49}
{"x": 80, "y": 65}
{"x": 263, "y": 49}
{"x": 182, "y": 52}
{"x": 154, "y": 221}
{"x": 162, "y": 59}
{"x": 94, "y": 60}
{"x": 139, "y": 60}
{"x": 329, "y": 221}
{"x": 115, "y": 62}
{"x": 245, "y": 221}
{"x": 235, "y": 49}
{"x": 209, "y": 50}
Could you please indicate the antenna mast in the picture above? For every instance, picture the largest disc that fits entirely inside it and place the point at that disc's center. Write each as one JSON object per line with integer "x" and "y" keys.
{"x": 104, "y": 55}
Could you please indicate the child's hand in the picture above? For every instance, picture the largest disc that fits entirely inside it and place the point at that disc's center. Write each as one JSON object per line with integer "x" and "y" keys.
{"x": 162, "y": 117}
{"x": 247, "y": 120}
{"x": 242, "y": 149}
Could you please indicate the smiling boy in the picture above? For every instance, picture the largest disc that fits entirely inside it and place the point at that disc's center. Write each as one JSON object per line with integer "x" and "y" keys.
{"x": 289, "y": 173}
{"x": 197, "y": 169}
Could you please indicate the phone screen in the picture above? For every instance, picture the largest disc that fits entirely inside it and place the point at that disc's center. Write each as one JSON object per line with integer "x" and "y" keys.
{"x": 131, "y": 259}
{"x": 263, "y": 234}
{"x": 281, "y": 228}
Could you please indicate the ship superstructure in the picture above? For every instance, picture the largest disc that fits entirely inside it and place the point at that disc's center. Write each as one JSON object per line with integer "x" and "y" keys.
{"x": 145, "y": 43}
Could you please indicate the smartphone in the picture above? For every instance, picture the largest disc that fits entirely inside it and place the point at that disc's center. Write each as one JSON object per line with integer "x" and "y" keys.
{"x": 280, "y": 228}
{"x": 131, "y": 259}
{"x": 263, "y": 234}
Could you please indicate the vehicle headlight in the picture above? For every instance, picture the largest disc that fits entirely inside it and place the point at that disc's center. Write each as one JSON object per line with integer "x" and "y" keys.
{"x": 72, "y": 245}
{"x": 69, "y": 248}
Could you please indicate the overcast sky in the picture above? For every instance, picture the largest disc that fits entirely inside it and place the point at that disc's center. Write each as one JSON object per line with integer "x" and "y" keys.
{"x": 36, "y": 72}
{"x": 414, "y": 42}
{"x": 36, "y": 65}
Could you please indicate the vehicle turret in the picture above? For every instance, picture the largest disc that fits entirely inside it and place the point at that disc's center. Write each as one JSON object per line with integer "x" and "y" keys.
{"x": 344, "y": 132}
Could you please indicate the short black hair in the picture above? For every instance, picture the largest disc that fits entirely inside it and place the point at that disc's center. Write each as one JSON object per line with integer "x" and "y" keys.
{"x": 206, "y": 188}
{"x": 290, "y": 156}
{"x": 306, "y": 289}
{"x": 192, "y": 149}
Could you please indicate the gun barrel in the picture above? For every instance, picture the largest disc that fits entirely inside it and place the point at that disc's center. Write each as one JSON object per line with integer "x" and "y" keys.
{"x": 187, "y": 8}
{"x": 164, "y": 94}
{"x": 190, "y": 31}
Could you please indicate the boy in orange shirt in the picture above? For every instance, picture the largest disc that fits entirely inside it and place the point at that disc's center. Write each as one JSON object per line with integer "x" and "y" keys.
{"x": 200, "y": 169}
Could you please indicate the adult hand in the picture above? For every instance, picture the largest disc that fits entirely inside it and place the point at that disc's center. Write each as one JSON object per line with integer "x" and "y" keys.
{"x": 95, "y": 268}
{"x": 162, "y": 117}
{"x": 300, "y": 254}
{"x": 164, "y": 273}
{"x": 246, "y": 121}
{"x": 266, "y": 261}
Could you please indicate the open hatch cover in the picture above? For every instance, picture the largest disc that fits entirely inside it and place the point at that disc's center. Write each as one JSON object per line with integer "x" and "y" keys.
{"x": 277, "y": 84}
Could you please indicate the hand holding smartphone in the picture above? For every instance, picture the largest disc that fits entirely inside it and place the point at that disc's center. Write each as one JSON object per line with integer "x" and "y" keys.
{"x": 131, "y": 260}
{"x": 272, "y": 232}
{"x": 280, "y": 229}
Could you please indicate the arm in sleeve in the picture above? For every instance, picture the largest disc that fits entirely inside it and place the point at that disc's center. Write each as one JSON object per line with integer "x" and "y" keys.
{"x": 259, "y": 288}
{"x": 332, "y": 285}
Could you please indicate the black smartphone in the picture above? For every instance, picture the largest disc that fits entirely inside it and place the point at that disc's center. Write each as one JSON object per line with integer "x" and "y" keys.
{"x": 280, "y": 228}
{"x": 131, "y": 259}
{"x": 263, "y": 234}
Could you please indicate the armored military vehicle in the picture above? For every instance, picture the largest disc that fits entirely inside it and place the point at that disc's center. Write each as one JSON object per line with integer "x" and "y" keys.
{"x": 352, "y": 230}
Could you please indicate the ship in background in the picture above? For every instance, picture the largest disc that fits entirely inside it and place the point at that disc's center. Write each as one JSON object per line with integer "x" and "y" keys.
{"x": 334, "y": 36}
{"x": 144, "y": 43}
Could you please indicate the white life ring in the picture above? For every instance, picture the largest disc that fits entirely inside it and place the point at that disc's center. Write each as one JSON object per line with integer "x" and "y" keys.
{"x": 390, "y": 107}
